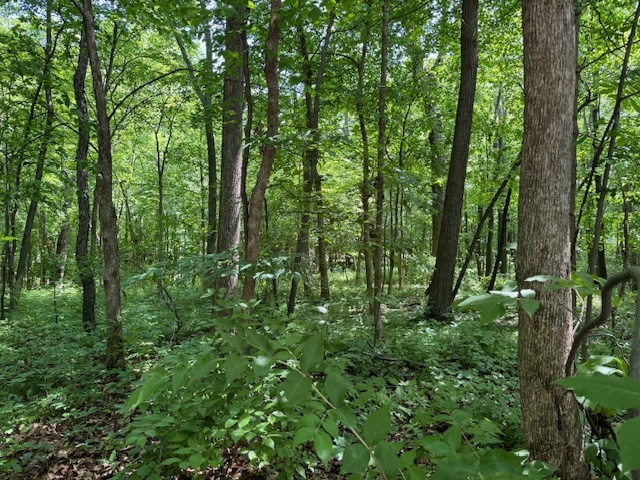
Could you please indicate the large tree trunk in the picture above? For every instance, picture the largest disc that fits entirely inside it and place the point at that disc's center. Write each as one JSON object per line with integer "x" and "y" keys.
{"x": 441, "y": 287}
{"x": 550, "y": 417}
{"x": 231, "y": 157}
{"x": 252, "y": 241}
{"x": 107, "y": 211}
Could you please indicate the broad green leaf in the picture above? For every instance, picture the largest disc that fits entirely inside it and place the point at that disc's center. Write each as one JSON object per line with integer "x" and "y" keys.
{"x": 453, "y": 437}
{"x": 387, "y": 455}
{"x": 607, "y": 391}
{"x": 297, "y": 388}
{"x": 457, "y": 466}
{"x": 336, "y": 387}
{"x": 146, "y": 390}
{"x": 234, "y": 366}
{"x": 346, "y": 416}
{"x": 377, "y": 426}
{"x": 323, "y": 445}
{"x": 303, "y": 435}
{"x": 629, "y": 441}
{"x": 235, "y": 341}
{"x": 355, "y": 459}
{"x": 312, "y": 353}
{"x": 530, "y": 306}
{"x": 261, "y": 365}
{"x": 259, "y": 341}
{"x": 496, "y": 463}
{"x": 331, "y": 427}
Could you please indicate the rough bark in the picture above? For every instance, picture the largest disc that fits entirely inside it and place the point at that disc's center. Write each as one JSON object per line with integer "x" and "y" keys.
{"x": 252, "y": 245}
{"x": 550, "y": 417}
{"x": 231, "y": 154}
{"x": 107, "y": 211}
{"x": 441, "y": 287}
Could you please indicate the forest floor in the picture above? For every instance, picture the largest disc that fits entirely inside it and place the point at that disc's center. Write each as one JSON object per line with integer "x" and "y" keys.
{"x": 62, "y": 414}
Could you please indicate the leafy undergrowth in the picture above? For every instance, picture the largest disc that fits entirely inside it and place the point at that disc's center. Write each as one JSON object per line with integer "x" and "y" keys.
{"x": 442, "y": 388}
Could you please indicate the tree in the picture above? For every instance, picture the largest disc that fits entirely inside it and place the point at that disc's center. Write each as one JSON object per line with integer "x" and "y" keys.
{"x": 441, "y": 288}
{"x": 107, "y": 211}
{"x": 231, "y": 156}
{"x": 252, "y": 241}
{"x": 87, "y": 279}
{"x": 550, "y": 416}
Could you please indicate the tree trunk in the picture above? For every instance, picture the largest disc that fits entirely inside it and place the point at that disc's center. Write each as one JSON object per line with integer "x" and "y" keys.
{"x": 378, "y": 234}
{"x": 231, "y": 157}
{"x": 107, "y": 211}
{"x": 550, "y": 416}
{"x": 87, "y": 279}
{"x": 366, "y": 159}
{"x": 311, "y": 154}
{"x": 501, "y": 249}
{"x": 252, "y": 240}
{"x": 441, "y": 287}
{"x": 438, "y": 169}
{"x": 325, "y": 293}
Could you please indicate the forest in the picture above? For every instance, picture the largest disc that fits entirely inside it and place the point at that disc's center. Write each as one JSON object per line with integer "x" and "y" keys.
{"x": 319, "y": 239}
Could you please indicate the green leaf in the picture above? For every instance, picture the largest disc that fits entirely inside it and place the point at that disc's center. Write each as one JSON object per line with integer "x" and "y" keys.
{"x": 146, "y": 390}
{"x": 607, "y": 391}
{"x": 234, "y": 366}
{"x": 259, "y": 341}
{"x": 458, "y": 465}
{"x": 629, "y": 441}
{"x": 387, "y": 455}
{"x": 377, "y": 426}
{"x": 355, "y": 459}
{"x": 530, "y": 306}
{"x": 312, "y": 353}
{"x": 323, "y": 445}
{"x": 336, "y": 387}
{"x": 331, "y": 427}
{"x": 453, "y": 437}
{"x": 297, "y": 388}
{"x": 261, "y": 365}
{"x": 303, "y": 435}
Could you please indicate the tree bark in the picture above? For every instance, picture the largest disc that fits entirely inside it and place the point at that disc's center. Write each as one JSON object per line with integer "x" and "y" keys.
{"x": 231, "y": 156}
{"x": 311, "y": 154}
{"x": 550, "y": 417}
{"x": 378, "y": 234}
{"x": 252, "y": 241}
{"x": 441, "y": 287}
{"x": 107, "y": 211}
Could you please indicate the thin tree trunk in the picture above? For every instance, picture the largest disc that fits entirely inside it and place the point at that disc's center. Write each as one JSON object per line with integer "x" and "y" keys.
{"x": 441, "y": 287}
{"x": 550, "y": 416}
{"x": 501, "y": 248}
{"x": 252, "y": 246}
{"x": 311, "y": 154}
{"x": 325, "y": 293}
{"x": 366, "y": 159}
{"x": 377, "y": 237}
{"x": 438, "y": 169}
{"x": 107, "y": 211}
{"x": 87, "y": 279}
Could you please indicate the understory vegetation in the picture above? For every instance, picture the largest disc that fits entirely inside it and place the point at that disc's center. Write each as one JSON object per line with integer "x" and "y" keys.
{"x": 261, "y": 395}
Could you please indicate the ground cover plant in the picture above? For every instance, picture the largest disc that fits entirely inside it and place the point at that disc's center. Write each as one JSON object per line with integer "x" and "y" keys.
{"x": 263, "y": 395}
